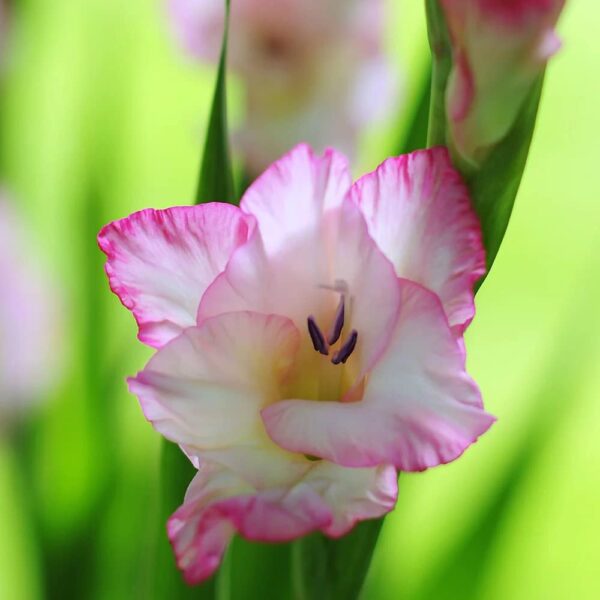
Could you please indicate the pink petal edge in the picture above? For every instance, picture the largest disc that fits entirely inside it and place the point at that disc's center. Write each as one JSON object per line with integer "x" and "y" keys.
{"x": 160, "y": 262}
{"x": 419, "y": 212}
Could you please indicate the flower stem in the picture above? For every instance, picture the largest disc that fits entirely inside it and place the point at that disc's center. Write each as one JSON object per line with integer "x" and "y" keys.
{"x": 441, "y": 64}
{"x": 216, "y": 175}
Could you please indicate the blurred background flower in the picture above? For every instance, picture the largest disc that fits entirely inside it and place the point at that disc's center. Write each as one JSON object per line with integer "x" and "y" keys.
{"x": 30, "y": 319}
{"x": 312, "y": 70}
{"x": 98, "y": 115}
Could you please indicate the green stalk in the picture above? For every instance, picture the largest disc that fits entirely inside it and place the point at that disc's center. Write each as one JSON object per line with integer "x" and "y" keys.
{"x": 215, "y": 183}
{"x": 216, "y": 175}
{"x": 334, "y": 569}
{"x": 441, "y": 64}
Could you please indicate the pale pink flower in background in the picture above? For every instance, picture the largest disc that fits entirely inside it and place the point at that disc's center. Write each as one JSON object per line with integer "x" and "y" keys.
{"x": 309, "y": 343}
{"x": 30, "y": 319}
{"x": 500, "y": 48}
{"x": 313, "y": 70}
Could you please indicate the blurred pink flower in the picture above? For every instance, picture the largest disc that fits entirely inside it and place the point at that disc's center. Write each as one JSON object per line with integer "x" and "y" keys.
{"x": 309, "y": 343}
{"x": 29, "y": 319}
{"x": 313, "y": 70}
{"x": 500, "y": 47}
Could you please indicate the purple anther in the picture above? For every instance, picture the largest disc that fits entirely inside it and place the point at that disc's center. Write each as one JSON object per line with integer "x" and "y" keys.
{"x": 338, "y": 323}
{"x": 347, "y": 349}
{"x": 317, "y": 337}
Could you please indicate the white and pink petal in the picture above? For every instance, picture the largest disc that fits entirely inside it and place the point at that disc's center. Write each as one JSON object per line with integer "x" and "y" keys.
{"x": 419, "y": 212}
{"x": 419, "y": 408}
{"x": 160, "y": 262}
{"x": 222, "y": 501}
{"x": 291, "y": 197}
{"x": 205, "y": 388}
{"x": 353, "y": 494}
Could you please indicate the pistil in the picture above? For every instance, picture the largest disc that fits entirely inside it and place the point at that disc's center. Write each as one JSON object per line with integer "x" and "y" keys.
{"x": 338, "y": 322}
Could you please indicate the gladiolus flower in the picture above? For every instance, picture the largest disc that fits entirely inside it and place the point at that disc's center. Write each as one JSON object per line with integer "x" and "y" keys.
{"x": 500, "y": 48}
{"x": 29, "y": 319}
{"x": 309, "y": 343}
{"x": 312, "y": 70}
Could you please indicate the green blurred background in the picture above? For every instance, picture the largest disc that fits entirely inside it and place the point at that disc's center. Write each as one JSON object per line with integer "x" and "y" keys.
{"x": 101, "y": 115}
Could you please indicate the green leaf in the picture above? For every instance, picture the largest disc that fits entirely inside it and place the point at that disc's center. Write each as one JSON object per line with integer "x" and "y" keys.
{"x": 415, "y": 137}
{"x": 260, "y": 570}
{"x": 215, "y": 184}
{"x": 216, "y": 176}
{"x": 494, "y": 185}
{"x": 441, "y": 54}
{"x": 331, "y": 569}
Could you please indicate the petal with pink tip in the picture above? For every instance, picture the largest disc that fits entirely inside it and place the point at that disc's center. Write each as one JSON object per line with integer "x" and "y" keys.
{"x": 419, "y": 409}
{"x": 206, "y": 387}
{"x": 419, "y": 212}
{"x": 160, "y": 262}
{"x": 199, "y": 544}
{"x": 221, "y": 501}
{"x": 290, "y": 198}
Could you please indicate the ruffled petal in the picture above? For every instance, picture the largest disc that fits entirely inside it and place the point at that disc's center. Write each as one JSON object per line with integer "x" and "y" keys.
{"x": 353, "y": 495}
{"x": 419, "y": 409}
{"x": 419, "y": 212}
{"x": 198, "y": 539}
{"x": 160, "y": 262}
{"x": 290, "y": 198}
{"x": 222, "y": 500}
{"x": 206, "y": 387}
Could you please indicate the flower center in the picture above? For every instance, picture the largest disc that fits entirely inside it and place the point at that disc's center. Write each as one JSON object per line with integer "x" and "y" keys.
{"x": 274, "y": 46}
{"x": 322, "y": 344}
{"x": 329, "y": 363}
